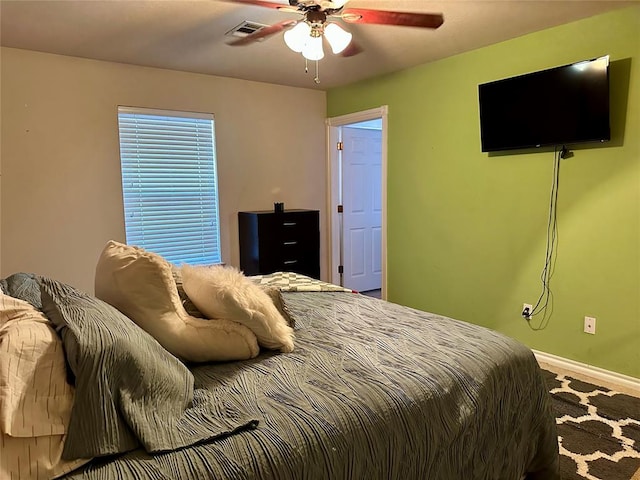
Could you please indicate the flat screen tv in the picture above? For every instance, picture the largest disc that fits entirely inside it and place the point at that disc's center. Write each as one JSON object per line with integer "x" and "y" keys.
{"x": 560, "y": 106}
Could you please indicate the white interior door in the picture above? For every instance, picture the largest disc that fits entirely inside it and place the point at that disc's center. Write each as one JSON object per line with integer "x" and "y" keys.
{"x": 362, "y": 208}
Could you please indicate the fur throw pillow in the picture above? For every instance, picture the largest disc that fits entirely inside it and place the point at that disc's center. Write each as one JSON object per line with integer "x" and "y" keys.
{"x": 274, "y": 294}
{"x": 225, "y": 293}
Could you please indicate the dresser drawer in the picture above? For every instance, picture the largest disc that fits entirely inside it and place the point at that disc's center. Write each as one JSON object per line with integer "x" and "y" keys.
{"x": 299, "y": 253}
{"x": 296, "y": 227}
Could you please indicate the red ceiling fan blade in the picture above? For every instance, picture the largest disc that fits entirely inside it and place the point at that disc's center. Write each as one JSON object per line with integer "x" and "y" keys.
{"x": 263, "y": 33}
{"x": 260, "y": 3}
{"x": 352, "y": 49}
{"x": 383, "y": 17}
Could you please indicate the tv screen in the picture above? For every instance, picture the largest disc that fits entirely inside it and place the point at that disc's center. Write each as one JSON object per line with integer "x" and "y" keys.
{"x": 560, "y": 106}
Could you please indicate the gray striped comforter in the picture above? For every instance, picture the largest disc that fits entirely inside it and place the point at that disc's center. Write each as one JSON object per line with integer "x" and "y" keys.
{"x": 373, "y": 391}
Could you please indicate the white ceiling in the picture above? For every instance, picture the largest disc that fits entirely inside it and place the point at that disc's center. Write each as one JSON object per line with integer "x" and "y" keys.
{"x": 190, "y": 35}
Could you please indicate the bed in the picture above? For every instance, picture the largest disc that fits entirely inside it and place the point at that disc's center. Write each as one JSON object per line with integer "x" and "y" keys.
{"x": 371, "y": 390}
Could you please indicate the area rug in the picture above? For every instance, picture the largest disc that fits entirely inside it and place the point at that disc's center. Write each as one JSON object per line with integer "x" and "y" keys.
{"x": 598, "y": 430}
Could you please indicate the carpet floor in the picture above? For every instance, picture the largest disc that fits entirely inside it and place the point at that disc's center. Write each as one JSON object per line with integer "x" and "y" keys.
{"x": 598, "y": 430}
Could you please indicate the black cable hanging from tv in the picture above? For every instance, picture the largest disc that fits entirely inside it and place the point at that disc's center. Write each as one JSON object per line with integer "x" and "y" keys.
{"x": 545, "y": 300}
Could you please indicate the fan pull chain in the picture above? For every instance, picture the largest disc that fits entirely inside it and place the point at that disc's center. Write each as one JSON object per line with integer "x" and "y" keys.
{"x": 306, "y": 70}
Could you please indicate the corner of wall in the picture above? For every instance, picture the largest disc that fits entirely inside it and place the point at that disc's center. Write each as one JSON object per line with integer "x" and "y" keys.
{"x": 0, "y": 224}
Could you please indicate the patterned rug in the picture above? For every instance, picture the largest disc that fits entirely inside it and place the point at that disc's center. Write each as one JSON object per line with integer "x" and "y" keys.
{"x": 598, "y": 430}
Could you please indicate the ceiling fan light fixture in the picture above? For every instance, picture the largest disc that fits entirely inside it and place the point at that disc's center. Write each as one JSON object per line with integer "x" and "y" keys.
{"x": 298, "y": 36}
{"x": 313, "y": 49}
{"x": 337, "y": 37}
{"x": 325, "y": 4}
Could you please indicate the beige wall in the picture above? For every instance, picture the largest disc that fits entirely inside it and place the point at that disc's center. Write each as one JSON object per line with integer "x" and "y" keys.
{"x": 61, "y": 196}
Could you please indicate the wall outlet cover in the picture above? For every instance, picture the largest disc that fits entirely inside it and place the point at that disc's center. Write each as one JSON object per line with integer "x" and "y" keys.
{"x": 590, "y": 325}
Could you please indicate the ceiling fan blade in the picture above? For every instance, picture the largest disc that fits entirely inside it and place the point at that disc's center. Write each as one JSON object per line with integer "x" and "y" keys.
{"x": 263, "y": 33}
{"x": 260, "y": 3}
{"x": 383, "y": 17}
{"x": 352, "y": 49}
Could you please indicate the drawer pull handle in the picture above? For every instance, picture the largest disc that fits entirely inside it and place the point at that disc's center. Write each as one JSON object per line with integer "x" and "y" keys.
{"x": 290, "y": 262}
{"x": 289, "y": 243}
{"x": 289, "y": 224}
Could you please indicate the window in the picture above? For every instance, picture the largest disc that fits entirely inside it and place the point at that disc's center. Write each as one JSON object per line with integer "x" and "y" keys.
{"x": 169, "y": 184}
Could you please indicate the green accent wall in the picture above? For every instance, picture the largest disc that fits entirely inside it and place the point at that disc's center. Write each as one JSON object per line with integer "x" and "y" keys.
{"x": 467, "y": 230}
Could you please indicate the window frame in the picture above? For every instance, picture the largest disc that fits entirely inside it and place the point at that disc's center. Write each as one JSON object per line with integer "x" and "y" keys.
{"x": 185, "y": 193}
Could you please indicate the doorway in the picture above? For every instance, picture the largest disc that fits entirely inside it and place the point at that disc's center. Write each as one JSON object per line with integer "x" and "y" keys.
{"x": 357, "y": 199}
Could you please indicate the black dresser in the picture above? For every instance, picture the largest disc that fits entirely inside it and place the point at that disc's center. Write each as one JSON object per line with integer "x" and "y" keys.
{"x": 286, "y": 241}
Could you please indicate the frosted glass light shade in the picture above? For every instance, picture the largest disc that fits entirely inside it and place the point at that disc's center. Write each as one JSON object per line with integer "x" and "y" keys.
{"x": 337, "y": 37}
{"x": 297, "y": 37}
{"x": 313, "y": 49}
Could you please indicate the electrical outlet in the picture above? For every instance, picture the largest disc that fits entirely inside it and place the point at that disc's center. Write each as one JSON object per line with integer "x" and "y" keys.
{"x": 527, "y": 309}
{"x": 590, "y": 325}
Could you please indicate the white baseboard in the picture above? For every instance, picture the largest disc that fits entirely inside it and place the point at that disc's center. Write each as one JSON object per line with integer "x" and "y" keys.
{"x": 603, "y": 377}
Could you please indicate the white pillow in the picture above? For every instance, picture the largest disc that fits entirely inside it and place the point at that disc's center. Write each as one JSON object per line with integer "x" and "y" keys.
{"x": 225, "y": 293}
{"x": 140, "y": 284}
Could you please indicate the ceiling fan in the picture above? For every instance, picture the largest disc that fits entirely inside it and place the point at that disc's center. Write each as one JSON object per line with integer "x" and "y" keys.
{"x": 305, "y": 35}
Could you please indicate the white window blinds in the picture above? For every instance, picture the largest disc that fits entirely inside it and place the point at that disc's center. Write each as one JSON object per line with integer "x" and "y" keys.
{"x": 169, "y": 184}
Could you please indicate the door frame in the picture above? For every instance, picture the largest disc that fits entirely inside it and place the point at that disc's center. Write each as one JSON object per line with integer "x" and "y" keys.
{"x": 334, "y": 135}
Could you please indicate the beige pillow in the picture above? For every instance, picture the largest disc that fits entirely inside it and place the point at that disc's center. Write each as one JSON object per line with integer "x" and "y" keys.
{"x": 140, "y": 284}
{"x": 35, "y": 458}
{"x": 35, "y": 397}
{"x": 225, "y": 293}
